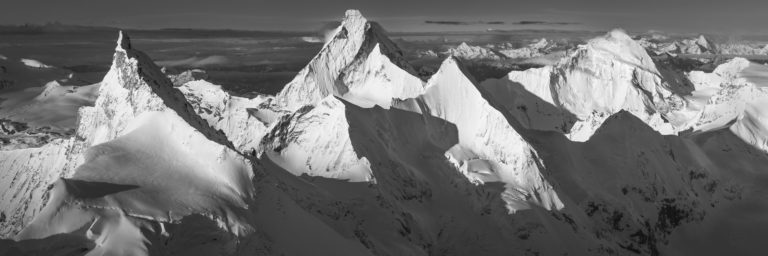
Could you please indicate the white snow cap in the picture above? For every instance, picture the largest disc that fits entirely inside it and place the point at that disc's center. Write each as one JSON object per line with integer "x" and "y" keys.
{"x": 354, "y": 23}
{"x": 619, "y": 34}
{"x": 353, "y": 14}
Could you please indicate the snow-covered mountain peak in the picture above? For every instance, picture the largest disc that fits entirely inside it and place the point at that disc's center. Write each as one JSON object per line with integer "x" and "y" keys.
{"x": 451, "y": 65}
{"x": 619, "y": 44}
{"x": 358, "y": 50}
{"x": 606, "y": 75}
{"x": 133, "y": 85}
{"x": 358, "y": 30}
{"x": 705, "y": 43}
{"x": 487, "y": 147}
{"x": 353, "y": 17}
{"x": 617, "y": 34}
{"x": 123, "y": 42}
{"x": 543, "y": 42}
{"x": 696, "y": 46}
{"x": 469, "y": 52}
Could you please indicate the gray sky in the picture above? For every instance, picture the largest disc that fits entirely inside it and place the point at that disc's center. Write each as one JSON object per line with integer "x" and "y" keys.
{"x": 708, "y": 16}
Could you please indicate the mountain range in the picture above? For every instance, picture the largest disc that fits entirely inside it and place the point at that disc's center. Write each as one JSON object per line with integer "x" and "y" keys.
{"x": 599, "y": 153}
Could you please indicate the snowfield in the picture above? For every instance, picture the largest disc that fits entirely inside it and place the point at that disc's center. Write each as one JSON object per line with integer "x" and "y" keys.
{"x": 34, "y": 63}
{"x": 595, "y": 154}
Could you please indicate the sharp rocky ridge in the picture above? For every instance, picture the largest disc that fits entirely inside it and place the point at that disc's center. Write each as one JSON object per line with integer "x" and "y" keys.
{"x": 133, "y": 85}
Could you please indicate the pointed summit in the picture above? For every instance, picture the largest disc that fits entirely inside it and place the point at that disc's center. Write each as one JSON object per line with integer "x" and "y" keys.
{"x": 705, "y": 44}
{"x": 353, "y": 16}
{"x": 133, "y": 85}
{"x": 123, "y": 42}
{"x": 489, "y": 149}
{"x": 357, "y": 46}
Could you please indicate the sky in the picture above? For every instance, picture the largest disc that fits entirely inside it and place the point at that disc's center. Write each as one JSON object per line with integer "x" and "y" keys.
{"x": 695, "y": 16}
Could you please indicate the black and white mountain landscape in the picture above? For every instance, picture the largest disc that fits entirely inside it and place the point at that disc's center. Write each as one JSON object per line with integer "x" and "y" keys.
{"x": 359, "y": 140}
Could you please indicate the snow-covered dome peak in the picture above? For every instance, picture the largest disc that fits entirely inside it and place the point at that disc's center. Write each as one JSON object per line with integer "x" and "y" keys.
{"x": 618, "y": 34}
{"x": 618, "y": 43}
{"x": 609, "y": 74}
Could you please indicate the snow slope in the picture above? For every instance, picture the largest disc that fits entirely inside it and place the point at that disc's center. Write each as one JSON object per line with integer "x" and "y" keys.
{"x": 315, "y": 140}
{"x": 53, "y": 105}
{"x": 488, "y": 148}
{"x": 160, "y": 170}
{"x": 230, "y": 114}
{"x": 25, "y": 179}
{"x": 732, "y": 96}
{"x": 35, "y": 64}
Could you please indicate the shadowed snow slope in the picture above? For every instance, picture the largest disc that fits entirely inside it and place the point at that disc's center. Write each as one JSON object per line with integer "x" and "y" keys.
{"x": 608, "y": 74}
{"x": 372, "y": 67}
